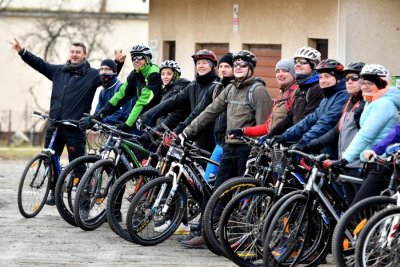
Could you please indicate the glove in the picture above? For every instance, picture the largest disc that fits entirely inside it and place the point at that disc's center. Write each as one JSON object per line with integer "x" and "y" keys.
{"x": 86, "y": 122}
{"x": 334, "y": 164}
{"x": 278, "y": 139}
{"x": 236, "y": 132}
{"x": 181, "y": 139}
{"x": 263, "y": 139}
{"x": 122, "y": 126}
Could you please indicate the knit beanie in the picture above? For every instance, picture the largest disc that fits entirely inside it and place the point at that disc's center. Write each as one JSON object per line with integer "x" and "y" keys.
{"x": 228, "y": 58}
{"x": 109, "y": 63}
{"x": 286, "y": 64}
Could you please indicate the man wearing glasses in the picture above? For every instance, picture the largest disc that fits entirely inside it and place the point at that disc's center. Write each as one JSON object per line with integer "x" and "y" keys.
{"x": 234, "y": 100}
{"x": 143, "y": 83}
{"x": 309, "y": 94}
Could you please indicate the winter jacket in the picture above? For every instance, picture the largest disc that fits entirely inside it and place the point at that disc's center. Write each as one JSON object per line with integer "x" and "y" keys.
{"x": 378, "y": 118}
{"x": 105, "y": 95}
{"x": 391, "y": 138}
{"x": 280, "y": 109}
{"x": 345, "y": 129}
{"x": 73, "y": 88}
{"x": 234, "y": 100}
{"x": 307, "y": 99}
{"x": 144, "y": 85}
{"x": 188, "y": 98}
{"x": 323, "y": 118}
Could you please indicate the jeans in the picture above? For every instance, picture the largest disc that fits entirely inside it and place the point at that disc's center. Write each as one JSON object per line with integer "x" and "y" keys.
{"x": 212, "y": 169}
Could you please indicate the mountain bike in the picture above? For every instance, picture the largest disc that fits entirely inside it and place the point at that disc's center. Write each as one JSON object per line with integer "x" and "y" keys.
{"x": 40, "y": 172}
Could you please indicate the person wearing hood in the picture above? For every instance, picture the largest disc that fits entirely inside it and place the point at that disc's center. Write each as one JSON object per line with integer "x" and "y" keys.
{"x": 326, "y": 116}
{"x": 309, "y": 94}
{"x": 111, "y": 84}
{"x": 380, "y": 115}
{"x": 74, "y": 85}
{"x": 240, "y": 113}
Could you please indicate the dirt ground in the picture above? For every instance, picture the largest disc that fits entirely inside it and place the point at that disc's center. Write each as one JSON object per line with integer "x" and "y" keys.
{"x": 48, "y": 240}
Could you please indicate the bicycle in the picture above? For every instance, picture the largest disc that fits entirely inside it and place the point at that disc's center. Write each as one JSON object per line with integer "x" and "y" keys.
{"x": 290, "y": 236}
{"x": 40, "y": 172}
{"x": 164, "y": 199}
{"x": 118, "y": 156}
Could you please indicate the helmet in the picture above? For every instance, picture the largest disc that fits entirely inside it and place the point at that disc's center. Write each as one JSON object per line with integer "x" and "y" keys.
{"x": 375, "y": 70}
{"x": 247, "y": 56}
{"x": 330, "y": 65}
{"x": 142, "y": 50}
{"x": 309, "y": 53}
{"x": 205, "y": 54}
{"x": 354, "y": 67}
{"x": 172, "y": 65}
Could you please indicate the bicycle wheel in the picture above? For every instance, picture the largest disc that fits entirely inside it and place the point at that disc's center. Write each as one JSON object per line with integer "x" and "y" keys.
{"x": 67, "y": 184}
{"x": 34, "y": 185}
{"x": 241, "y": 226}
{"x": 379, "y": 242}
{"x": 287, "y": 234}
{"x": 121, "y": 195}
{"x": 146, "y": 212}
{"x": 91, "y": 196}
{"x": 350, "y": 225}
{"x": 215, "y": 206}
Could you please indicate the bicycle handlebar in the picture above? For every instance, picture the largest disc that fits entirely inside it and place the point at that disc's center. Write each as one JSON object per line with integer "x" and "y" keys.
{"x": 74, "y": 123}
{"x": 314, "y": 158}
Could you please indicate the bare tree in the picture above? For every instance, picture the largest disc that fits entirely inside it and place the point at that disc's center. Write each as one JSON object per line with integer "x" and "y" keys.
{"x": 4, "y": 4}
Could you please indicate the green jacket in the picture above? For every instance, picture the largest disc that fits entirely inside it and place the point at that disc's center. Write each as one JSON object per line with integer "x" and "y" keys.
{"x": 144, "y": 85}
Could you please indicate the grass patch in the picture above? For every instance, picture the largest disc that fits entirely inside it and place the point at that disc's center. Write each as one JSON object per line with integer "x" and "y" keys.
{"x": 18, "y": 153}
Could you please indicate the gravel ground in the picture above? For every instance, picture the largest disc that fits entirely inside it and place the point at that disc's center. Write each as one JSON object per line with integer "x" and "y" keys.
{"x": 49, "y": 241}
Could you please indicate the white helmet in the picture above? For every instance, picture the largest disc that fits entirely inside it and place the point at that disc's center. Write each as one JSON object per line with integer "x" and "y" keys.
{"x": 309, "y": 53}
{"x": 172, "y": 65}
{"x": 375, "y": 70}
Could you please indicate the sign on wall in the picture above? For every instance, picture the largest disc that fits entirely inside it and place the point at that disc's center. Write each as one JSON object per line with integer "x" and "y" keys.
{"x": 235, "y": 17}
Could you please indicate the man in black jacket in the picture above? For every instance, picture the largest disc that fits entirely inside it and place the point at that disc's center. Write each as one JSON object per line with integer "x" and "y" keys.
{"x": 73, "y": 89}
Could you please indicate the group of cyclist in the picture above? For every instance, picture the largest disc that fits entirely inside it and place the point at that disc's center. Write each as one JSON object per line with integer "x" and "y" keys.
{"x": 323, "y": 107}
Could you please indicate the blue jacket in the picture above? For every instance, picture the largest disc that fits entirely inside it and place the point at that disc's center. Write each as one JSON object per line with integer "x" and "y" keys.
{"x": 324, "y": 118}
{"x": 378, "y": 118}
{"x": 105, "y": 95}
{"x": 391, "y": 138}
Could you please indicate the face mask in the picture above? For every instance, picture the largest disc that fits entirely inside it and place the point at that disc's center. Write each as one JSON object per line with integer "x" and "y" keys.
{"x": 106, "y": 78}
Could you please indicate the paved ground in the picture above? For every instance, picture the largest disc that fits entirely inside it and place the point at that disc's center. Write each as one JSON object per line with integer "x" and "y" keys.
{"x": 49, "y": 241}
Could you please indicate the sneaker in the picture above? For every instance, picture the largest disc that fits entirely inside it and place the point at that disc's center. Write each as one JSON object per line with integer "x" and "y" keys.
{"x": 162, "y": 227}
{"x": 51, "y": 200}
{"x": 182, "y": 230}
{"x": 195, "y": 242}
{"x": 186, "y": 237}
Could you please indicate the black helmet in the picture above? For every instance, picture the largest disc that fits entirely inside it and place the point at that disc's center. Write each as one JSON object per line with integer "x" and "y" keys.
{"x": 247, "y": 56}
{"x": 141, "y": 50}
{"x": 332, "y": 67}
{"x": 354, "y": 67}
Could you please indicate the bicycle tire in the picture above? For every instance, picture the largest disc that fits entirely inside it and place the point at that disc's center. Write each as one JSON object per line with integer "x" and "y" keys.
{"x": 143, "y": 213}
{"x": 91, "y": 195}
{"x": 214, "y": 208}
{"x": 66, "y": 187}
{"x": 31, "y": 197}
{"x": 117, "y": 204}
{"x": 380, "y": 252}
{"x": 241, "y": 225}
{"x": 281, "y": 228}
{"x": 353, "y": 221}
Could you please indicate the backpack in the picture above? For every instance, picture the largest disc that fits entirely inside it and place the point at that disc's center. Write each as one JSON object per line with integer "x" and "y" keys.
{"x": 249, "y": 97}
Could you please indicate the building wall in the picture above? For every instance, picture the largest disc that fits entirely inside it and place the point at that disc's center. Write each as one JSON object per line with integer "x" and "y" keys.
{"x": 365, "y": 30}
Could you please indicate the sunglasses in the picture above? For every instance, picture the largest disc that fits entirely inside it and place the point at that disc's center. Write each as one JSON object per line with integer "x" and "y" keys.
{"x": 354, "y": 77}
{"x": 137, "y": 58}
{"x": 241, "y": 64}
{"x": 301, "y": 61}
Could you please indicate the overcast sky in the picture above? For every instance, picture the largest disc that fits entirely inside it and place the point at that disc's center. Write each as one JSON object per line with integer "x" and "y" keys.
{"x": 134, "y": 6}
